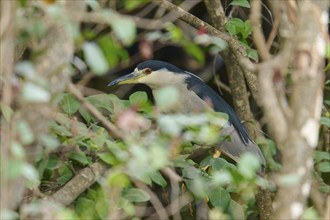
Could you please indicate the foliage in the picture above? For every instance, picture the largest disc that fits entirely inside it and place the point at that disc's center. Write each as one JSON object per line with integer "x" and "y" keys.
{"x": 142, "y": 155}
{"x": 151, "y": 142}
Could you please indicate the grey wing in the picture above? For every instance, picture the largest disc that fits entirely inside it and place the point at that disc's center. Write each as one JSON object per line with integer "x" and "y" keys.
{"x": 236, "y": 147}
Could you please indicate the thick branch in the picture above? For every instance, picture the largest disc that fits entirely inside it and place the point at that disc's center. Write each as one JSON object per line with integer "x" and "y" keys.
{"x": 78, "y": 184}
{"x": 216, "y": 13}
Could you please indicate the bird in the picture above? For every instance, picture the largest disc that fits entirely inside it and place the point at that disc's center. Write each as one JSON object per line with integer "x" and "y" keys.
{"x": 195, "y": 96}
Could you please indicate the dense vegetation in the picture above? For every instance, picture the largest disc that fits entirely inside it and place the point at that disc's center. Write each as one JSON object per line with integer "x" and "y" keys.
{"x": 71, "y": 150}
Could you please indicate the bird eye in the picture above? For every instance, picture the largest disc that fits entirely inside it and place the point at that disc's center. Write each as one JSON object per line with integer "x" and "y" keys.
{"x": 147, "y": 71}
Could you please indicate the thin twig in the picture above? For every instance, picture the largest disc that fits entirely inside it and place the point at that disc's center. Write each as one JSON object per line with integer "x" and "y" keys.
{"x": 96, "y": 113}
{"x": 175, "y": 179}
{"x": 158, "y": 206}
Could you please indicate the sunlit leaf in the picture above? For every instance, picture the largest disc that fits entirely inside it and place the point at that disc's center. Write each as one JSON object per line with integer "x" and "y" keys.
{"x": 289, "y": 179}
{"x": 248, "y": 165}
{"x": 138, "y": 98}
{"x": 85, "y": 208}
{"x": 25, "y": 69}
{"x": 32, "y": 92}
{"x": 49, "y": 141}
{"x": 95, "y": 58}
{"x": 310, "y": 213}
{"x": 113, "y": 51}
{"x": 15, "y": 168}
{"x": 131, "y": 5}
{"x": 118, "y": 179}
{"x": 162, "y": 97}
{"x": 17, "y": 150}
{"x": 25, "y": 132}
{"x": 195, "y": 51}
{"x": 242, "y": 3}
{"x": 31, "y": 174}
{"x": 124, "y": 28}
{"x": 175, "y": 32}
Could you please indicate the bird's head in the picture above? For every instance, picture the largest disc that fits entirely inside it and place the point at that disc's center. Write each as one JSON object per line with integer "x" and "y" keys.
{"x": 153, "y": 73}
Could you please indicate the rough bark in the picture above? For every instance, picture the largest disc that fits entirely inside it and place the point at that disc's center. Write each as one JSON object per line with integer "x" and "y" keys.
{"x": 52, "y": 67}
{"x": 296, "y": 123}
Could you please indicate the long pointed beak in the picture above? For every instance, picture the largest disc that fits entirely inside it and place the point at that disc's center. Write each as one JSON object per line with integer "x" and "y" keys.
{"x": 127, "y": 79}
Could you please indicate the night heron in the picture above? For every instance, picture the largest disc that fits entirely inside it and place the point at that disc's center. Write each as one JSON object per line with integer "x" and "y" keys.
{"x": 194, "y": 96}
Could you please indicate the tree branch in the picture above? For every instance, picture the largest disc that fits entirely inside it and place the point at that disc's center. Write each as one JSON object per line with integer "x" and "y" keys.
{"x": 78, "y": 184}
{"x": 258, "y": 35}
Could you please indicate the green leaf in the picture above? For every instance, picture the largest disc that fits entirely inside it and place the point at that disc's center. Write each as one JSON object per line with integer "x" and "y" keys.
{"x": 6, "y": 111}
{"x": 49, "y": 141}
{"x": 69, "y": 104}
{"x": 158, "y": 178}
{"x": 60, "y": 129}
{"x": 252, "y": 54}
{"x": 324, "y": 166}
{"x": 220, "y": 198}
{"x": 80, "y": 157}
{"x": 17, "y": 150}
{"x": 325, "y": 121}
{"x": 310, "y": 213}
{"x": 108, "y": 158}
{"x": 104, "y": 101}
{"x": 321, "y": 155}
{"x": 131, "y": 5}
{"x": 162, "y": 97}
{"x": 15, "y": 168}
{"x": 242, "y": 3}
{"x": 124, "y": 28}
{"x": 113, "y": 50}
{"x": 86, "y": 115}
{"x": 324, "y": 188}
{"x": 138, "y": 98}
{"x": 66, "y": 174}
{"x": 289, "y": 179}
{"x": 24, "y": 131}
{"x": 220, "y": 164}
{"x": 195, "y": 51}
{"x": 118, "y": 179}
{"x": 327, "y": 51}
{"x": 31, "y": 174}
{"x": 85, "y": 208}
{"x": 95, "y": 58}
{"x": 32, "y": 92}
{"x": 236, "y": 210}
{"x": 135, "y": 195}
{"x": 176, "y": 33}
{"x": 247, "y": 29}
{"x": 234, "y": 26}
